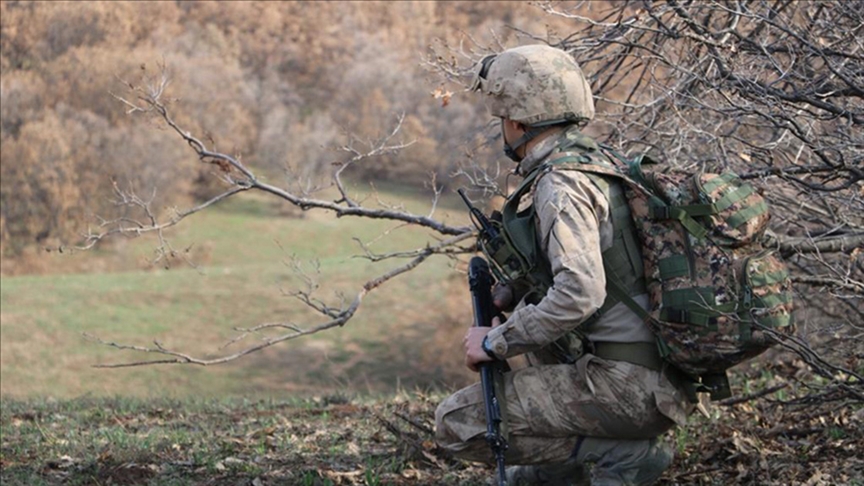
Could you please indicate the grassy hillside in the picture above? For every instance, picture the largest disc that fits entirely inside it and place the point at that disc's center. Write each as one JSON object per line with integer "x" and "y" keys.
{"x": 219, "y": 442}
{"x": 242, "y": 249}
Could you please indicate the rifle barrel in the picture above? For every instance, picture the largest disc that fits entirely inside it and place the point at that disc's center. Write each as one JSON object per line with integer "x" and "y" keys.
{"x": 482, "y": 223}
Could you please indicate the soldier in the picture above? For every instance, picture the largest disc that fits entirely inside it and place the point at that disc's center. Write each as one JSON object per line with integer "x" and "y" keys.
{"x": 596, "y": 391}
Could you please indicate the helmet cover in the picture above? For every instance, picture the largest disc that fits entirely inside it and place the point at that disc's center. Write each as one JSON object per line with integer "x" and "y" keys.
{"x": 535, "y": 85}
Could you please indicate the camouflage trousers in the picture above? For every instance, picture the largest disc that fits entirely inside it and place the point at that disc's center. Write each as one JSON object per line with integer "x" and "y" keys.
{"x": 549, "y": 408}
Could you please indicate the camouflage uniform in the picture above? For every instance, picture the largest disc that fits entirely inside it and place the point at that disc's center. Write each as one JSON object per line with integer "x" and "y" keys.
{"x": 592, "y": 411}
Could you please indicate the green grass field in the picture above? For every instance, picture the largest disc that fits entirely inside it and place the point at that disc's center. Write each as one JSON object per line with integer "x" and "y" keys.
{"x": 243, "y": 248}
{"x": 344, "y": 440}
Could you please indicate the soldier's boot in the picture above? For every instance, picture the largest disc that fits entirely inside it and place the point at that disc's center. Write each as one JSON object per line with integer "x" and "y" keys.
{"x": 625, "y": 462}
{"x": 567, "y": 473}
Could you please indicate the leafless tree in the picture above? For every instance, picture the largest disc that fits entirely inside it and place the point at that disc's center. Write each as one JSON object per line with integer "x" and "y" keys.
{"x": 773, "y": 90}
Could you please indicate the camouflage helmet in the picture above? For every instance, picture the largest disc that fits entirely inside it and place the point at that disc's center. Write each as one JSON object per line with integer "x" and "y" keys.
{"x": 536, "y": 85}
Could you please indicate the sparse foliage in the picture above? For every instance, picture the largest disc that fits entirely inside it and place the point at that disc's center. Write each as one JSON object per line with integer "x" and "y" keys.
{"x": 259, "y": 79}
{"x": 772, "y": 90}
{"x": 147, "y": 98}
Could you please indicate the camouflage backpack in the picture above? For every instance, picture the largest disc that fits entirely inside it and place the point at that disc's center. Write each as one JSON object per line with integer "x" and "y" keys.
{"x": 713, "y": 288}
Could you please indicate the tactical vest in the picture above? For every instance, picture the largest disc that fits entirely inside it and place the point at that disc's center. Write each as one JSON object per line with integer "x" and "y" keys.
{"x": 522, "y": 263}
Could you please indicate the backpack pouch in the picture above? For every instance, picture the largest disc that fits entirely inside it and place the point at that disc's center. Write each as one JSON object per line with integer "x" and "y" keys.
{"x": 738, "y": 213}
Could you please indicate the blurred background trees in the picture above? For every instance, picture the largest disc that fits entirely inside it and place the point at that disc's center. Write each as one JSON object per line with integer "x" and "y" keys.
{"x": 274, "y": 82}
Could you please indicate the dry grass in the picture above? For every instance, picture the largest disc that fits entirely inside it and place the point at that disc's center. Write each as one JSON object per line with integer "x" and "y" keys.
{"x": 340, "y": 439}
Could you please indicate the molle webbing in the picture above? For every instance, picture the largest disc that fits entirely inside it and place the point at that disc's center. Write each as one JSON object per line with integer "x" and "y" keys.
{"x": 622, "y": 261}
{"x": 516, "y": 252}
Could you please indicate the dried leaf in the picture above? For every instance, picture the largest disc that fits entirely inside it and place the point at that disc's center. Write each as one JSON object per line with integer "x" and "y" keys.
{"x": 353, "y": 448}
{"x": 817, "y": 479}
{"x": 443, "y": 95}
{"x": 744, "y": 444}
{"x": 434, "y": 460}
{"x": 411, "y": 474}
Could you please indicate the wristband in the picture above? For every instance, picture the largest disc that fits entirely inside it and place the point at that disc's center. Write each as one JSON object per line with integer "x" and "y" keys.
{"x": 485, "y": 347}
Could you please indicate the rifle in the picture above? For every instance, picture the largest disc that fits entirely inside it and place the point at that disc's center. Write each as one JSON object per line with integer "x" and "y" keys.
{"x": 490, "y": 237}
{"x": 487, "y": 231}
{"x": 480, "y": 283}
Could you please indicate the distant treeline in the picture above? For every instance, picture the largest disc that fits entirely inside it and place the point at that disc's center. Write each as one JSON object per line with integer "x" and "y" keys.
{"x": 275, "y": 82}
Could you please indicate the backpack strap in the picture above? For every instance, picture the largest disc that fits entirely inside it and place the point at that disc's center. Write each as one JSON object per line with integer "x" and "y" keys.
{"x": 657, "y": 209}
{"x": 622, "y": 262}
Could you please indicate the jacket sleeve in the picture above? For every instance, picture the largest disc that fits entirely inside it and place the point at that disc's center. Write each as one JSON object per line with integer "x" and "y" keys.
{"x": 570, "y": 213}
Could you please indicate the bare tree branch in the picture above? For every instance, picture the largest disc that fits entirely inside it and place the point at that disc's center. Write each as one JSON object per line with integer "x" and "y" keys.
{"x": 338, "y": 319}
{"x": 831, "y": 282}
{"x": 148, "y": 100}
{"x": 769, "y": 90}
{"x": 789, "y": 245}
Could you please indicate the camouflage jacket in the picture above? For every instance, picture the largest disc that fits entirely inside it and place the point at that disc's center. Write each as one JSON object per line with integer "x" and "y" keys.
{"x": 574, "y": 227}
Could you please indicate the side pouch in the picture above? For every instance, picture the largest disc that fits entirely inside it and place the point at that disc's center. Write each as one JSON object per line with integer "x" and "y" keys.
{"x": 765, "y": 300}
{"x": 509, "y": 264}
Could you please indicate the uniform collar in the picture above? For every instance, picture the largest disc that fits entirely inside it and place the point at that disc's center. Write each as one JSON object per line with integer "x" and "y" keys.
{"x": 539, "y": 152}
{"x": 566, "y": 138}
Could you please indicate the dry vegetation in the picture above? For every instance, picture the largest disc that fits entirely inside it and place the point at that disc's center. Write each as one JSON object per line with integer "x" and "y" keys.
{"x": 771, "y": 89}
{"x": 340, "y": 440}
{"x": 275, "y": 82}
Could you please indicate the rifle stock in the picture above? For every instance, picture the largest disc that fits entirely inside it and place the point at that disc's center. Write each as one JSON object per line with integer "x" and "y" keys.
{"x": 480, "y": 282}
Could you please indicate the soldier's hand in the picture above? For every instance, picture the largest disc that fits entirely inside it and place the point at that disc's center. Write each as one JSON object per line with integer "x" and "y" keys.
{"x": 502, "y": 296}
{"x": 473, "y": 343}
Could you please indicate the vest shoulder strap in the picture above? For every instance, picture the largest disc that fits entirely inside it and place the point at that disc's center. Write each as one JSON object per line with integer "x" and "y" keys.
{"x": 622, "y": 262}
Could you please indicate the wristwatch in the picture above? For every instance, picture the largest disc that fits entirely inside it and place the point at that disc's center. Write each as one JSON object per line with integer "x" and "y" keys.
{"x": 485, "y": 347}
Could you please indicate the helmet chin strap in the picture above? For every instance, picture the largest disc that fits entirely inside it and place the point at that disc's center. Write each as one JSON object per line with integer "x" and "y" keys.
{"x": 510, "y": 150}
